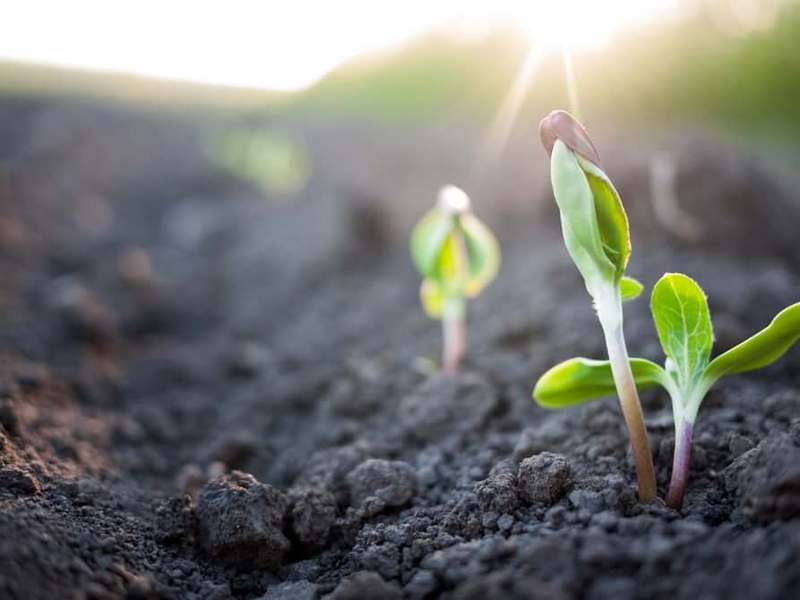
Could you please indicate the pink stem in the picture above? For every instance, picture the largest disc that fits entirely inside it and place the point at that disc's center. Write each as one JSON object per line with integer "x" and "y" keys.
{"x": 455, "y": 342}
{"x": 680, "y": 466}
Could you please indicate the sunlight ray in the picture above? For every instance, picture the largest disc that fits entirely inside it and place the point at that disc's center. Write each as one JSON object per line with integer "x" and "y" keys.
{"x": 572, "y": 83}
{"x": 500, "y": 130}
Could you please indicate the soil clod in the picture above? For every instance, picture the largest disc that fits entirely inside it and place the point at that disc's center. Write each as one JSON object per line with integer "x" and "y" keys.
{"x": 16, "y": 481}
{"x": 312, "y": 515}
{"x": 544, "y": 478}
{"x": 364, "y": 584}
{"x": 240, "y": 521}
{"x": 377, "y": 485}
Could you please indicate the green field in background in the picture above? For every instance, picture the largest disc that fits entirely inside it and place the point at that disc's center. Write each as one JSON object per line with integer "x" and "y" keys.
{"x": 684, "y": 70}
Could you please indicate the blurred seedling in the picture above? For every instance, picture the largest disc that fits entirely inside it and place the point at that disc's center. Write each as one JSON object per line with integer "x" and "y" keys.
{"x": 681, "y": 316}
{"x": 273, "y": 161}
{"x": 457, "y": 256}
{"x": 596, "y": 234}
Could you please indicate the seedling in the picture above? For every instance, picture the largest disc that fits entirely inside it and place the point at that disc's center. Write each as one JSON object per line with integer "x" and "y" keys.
{"x": 595, "y": 229}
{"x": 680, "y": 312}
{"x": 457, "y": 256}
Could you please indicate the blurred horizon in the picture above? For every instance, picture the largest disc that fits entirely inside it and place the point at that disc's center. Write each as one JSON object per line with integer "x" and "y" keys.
{"x": 727, "y": 63}
{"x": 281, "y": 46}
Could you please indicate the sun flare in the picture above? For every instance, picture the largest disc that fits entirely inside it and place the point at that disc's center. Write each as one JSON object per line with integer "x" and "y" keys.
{"x": 281, "y": 45}
{"x": 583, "y": 24}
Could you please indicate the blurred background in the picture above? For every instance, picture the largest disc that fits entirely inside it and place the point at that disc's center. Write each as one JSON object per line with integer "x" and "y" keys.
{"x": 191, "y": 145}
{"x": 491, "y": 67}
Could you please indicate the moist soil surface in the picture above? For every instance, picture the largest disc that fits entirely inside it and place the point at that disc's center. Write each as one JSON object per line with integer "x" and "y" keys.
{"x": 208, "y": 391}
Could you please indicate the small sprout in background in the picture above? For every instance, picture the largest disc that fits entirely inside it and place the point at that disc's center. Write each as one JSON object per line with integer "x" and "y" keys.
{"x": 276, "y": 162}
{"x": 595, "y": 229}
{"x": 457, "y": 256}
{"x": 682, "y": 319}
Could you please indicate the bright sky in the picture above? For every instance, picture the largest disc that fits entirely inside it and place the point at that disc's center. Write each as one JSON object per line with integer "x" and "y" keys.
{"x": 279, "y": 44}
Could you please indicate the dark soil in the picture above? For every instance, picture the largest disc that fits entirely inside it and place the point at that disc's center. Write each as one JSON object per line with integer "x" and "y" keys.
{"x": 209, "y": 393}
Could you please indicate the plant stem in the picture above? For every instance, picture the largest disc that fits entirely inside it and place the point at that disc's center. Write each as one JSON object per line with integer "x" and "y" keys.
{"x": 609, "y": 310}
{"x": 454, "y": 335}
{"x": 680, "y": 464}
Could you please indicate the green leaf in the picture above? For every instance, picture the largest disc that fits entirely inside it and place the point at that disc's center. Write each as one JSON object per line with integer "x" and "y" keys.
{"x": 483, "y": 251}
{"x": 451, "y": 269}
{"x": 579, "y": 219}
{"x": 630, "y": 288}
{"x": 432, "y": 298}
{"x": 762, "y": 349}
{"x": 680, "y": 312}
{"x": 427, "y": 240}
{"x": 579, "y": 380}
{"x": 611, "y": 217}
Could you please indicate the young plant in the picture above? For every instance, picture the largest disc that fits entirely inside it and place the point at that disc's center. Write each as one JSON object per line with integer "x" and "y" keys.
{"x": 457, "y": 257}
{"x": 595, "y": 229}
{"x": 681, "y": 316}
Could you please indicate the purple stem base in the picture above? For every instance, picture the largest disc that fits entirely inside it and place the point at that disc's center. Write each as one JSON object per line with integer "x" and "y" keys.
{"x": 680, "y": 466}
